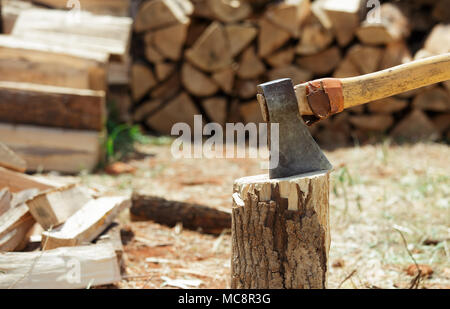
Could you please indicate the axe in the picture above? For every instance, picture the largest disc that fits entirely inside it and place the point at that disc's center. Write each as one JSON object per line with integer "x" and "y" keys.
{"x": 295, "y": 107}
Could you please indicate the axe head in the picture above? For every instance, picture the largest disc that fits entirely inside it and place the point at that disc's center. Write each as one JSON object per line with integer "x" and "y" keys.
{"x": 298, "y": 153}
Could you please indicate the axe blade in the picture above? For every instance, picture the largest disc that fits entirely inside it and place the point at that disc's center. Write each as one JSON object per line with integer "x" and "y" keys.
{"x": 298, "y": 152}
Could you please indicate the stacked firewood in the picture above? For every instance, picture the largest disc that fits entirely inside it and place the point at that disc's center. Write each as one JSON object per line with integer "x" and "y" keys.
{"x": 207, "y": 57}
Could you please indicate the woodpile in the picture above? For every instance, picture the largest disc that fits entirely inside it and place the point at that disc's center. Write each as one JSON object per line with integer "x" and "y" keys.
{"x": 207, "y": 56}
{"x": 73, "y": 227}
{"x": 54, "y": 115}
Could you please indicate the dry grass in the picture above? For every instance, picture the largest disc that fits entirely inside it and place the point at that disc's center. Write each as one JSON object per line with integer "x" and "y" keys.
{"x": 376, "y": 192}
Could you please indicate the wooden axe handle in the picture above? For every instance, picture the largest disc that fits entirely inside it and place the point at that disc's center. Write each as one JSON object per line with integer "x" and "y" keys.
{"x": 382, "y": 84}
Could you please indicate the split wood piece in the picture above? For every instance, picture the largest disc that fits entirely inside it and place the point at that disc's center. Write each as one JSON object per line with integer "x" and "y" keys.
{"x": 192, "y": 216}
{"x": 24, "y": 103}
{"x": 10, "y": 160}
{"x": 145, "y": 109}
{"x": 168, "y": 41}
{"x": 202, "y": 10}
{"x": 251, "y": 112}
{"x": 270, "y": 37}
{"x": 438, "y": 41}
{"x": 297, "y": 74}
{"x": 442, "y": 122}
{"x": 152, "y": 54}
{"x": 289, "y": 15}
{"x": 63, "y": 150}
{"x": 281, "y": 58}
{"x": 366, "y": 59}
{"x": 196, "y": 28}
{"x": 392, "y": 26}
{"x": 225, "y": 79}
{"x": 87, "y": 223}
{"x": 321, "y": 63}
{"x": 314, "y": 38}
{"x": 119, "y": 8}
{"x": 5, "y": 200}
{"x": 52, "y": 65}
{"x": 10, "y": 11}
{"x": 239, "y": 37}
{"x": 229, "y": 11}
{"x": 375, "y": 123}
{"x": 63, "y": 268}
{"x": 164, "y": 69}
{"x": 196, "y": 82}
{"x": 142, "y": 80}
{"x": 216, "y": 109}
{"x": 54, "y": 207}
{"x": 415, "y": 127}
{"x": 396, "y": 53}
{"x": 112, "y": 236}
{"x": 435, "y": 99}
{"x": 346, "y": 68}
{"x": 167, "y": 89}
{"x": 388, "y": 105}
{"x": 345, "y": 17}
{"x": 246, "y": 88}
{"x": 280, "y": 232}
{"x": 21, "y": 197}
{"x": 250, "y": 66}
{"x": 161, "y": 13}
{"x": 17, "y": 182}
{"x": 211, "y": 52}
{"x": 107, "y": 34}
{"x": 14, "y": 226}
{"x": 179, "y": 109}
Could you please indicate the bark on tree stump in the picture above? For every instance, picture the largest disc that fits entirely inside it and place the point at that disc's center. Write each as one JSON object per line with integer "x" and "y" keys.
{"x": 280, "y": 234}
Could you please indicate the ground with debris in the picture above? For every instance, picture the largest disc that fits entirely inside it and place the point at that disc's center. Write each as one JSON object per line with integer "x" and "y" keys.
{"x": 379, "y": 194}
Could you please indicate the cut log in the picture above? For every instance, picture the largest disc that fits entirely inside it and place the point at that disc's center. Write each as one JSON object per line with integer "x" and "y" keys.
{"x": 239, "y": 36}
{"x": 10, "y": 160}
{"x": 250, "y": 66}
{"x": 54, "y": 207}
{"x": 438, "y": 42}
{"x": 345, "y": 17}
{"x": 375, "y": 123}
{"x": 169, "y": 41}
{"x": 5, "y": 200}
{"x": 63, "y": 268}
{"x": 24, "y": 103}
{"x": 442, "y": 122}
{"x": 366, "y": 59}
{"x": 142, "y": 80}
{"x": 393, "y": 26}
{"x": 297, "y": 74}
{"x": 396, "y": 53}
{"x": 314, "y": 38}
{"x": 196, "y": 82}
{"x": 251, "y": 112}
{"x": 289, "y": 15}
{"x": 17, "y": 182}
{"x": 119, "y": 102}
{"x": 435, "y": 99}
{"x": 275, "y": 224}
{"x": 270, "y": 37}
{"x": 62, "y": 150}
{"x": 229, "y": 11}
{"x": 14, "y": 226}
{"x": 179, "y": 109}
{"x": 346, "y": 69}
{"x": 246, "y": 88}
{"x": 225, "y": 79}
{"x": 281, "y": 57}
{"x": 161, "y": 13}
{"x": 192, "y": 216}
{"x": 106, "y": 34}
{"x": 167, "y": 89}
{"x": 86, "y": 224}
{"x": 152, "y": 54}
{"x": 211, "y": 52}
{"x": 163, "y": 70}
{"x": 415, "y": 127}
{"x": 119, "y": 8}
{"x": 52, "y": 65}
{"x": 441, "y": 11}
{"x": 216, "y": 109}
{"x": 321, "y": 63}
{"x": 387, "y": 105}
{"x": 145, "y": 109}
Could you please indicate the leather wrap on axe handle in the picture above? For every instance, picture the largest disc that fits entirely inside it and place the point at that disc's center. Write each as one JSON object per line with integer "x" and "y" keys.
{"x": 374, "y": 86}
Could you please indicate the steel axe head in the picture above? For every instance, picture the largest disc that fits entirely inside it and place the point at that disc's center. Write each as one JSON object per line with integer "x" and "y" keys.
{"x": 298, "y": 153}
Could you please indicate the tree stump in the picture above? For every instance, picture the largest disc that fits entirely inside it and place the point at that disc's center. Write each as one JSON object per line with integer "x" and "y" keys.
{"x": 280, "y": 234}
